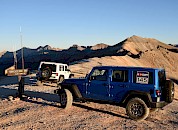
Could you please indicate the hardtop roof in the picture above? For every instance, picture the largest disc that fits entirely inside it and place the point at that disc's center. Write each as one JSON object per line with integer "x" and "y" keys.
{"x": 128, "y": 67}
{"x": 52, "y": 63}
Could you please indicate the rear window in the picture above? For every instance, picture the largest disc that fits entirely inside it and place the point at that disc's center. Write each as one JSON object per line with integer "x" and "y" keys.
{"x": 61, "y": 68}
{"x": 51, "y": 66}
{"x": 143, "y": 77}
{"x": 120, "y": 76}
{"x": 162, "y": 77}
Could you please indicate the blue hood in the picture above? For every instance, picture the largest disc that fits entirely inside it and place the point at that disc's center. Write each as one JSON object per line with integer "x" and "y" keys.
{"x": 74, "y": 81}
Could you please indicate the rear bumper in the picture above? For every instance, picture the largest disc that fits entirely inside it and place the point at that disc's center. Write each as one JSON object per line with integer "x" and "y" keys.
{"x": 158, "y": 104}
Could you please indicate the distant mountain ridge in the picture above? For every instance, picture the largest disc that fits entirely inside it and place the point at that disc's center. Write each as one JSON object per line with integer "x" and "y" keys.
{"x": 133, "y": 47}
{"x": 2, "y": 53}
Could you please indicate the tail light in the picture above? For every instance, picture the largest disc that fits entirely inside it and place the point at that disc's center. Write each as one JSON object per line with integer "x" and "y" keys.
{"x": 56, "y": 74}
{"x": 158, "y": 92}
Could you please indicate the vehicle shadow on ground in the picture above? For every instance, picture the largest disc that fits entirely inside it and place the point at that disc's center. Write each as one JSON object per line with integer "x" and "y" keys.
{"x": 41, "y": 98}
{"x": 47, "y": 99}
{"x": 11, "y": 80}
{"x": 5, "y": 92}
{"x": 8, "y": 80}
{"x": 98, "y": 110}
{"x": 31, "y": 96}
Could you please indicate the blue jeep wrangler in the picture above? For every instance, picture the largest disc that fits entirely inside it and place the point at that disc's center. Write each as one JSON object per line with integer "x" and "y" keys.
{"x": 139, "y": 90}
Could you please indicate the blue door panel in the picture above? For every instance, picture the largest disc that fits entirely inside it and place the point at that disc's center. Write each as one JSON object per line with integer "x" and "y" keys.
{"x": 98, "y": 90}
{"x": 118, "y": 90}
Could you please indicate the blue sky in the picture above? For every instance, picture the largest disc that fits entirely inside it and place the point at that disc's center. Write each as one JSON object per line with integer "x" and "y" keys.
{"x": 62, "y": 23}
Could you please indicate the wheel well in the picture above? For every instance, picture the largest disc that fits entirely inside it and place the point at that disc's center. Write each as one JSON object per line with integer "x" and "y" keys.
{"x": 144, "y": 97}
{"x": 71, "y": 75}
{"x": 61, "y": 76}
{"x": 73, "y": 89}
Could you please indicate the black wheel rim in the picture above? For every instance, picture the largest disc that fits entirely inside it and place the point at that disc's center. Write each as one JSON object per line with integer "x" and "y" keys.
{"x": 172, "y": 92}
{"x": 136, "y": 109}
{"x": 45, "y": 73}
{"x": 63, "y": 99}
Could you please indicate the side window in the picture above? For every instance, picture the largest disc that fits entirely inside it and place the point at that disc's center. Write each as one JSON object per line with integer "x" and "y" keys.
{"x": 61, "y": 68}
{"x": 162, "y": 77}
{"x": 66, "y": 68}
{"x": 143, "y": 77}
{"x": 100, "y": 75}
{"x": 120, "y": 76}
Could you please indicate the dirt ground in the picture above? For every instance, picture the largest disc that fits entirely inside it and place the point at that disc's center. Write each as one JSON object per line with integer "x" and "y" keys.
{"x": 40, "y": 110}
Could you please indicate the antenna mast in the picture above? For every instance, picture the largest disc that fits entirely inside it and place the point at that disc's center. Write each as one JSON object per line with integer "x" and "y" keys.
{"x": 15, "y": 59}
{"x": 21, "y": 49}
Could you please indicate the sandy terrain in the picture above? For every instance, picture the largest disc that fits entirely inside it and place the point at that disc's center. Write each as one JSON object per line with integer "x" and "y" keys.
{"x": 40, "y": 110}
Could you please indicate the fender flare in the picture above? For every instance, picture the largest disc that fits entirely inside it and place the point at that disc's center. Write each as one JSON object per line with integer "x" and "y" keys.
{"x": 73, "y": 88}
{"x": 143, "y": 95}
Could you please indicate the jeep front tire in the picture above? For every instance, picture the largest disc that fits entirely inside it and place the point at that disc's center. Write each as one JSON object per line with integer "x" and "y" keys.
{"x": 137, "y": 109}
{"x": 66, "y": 98}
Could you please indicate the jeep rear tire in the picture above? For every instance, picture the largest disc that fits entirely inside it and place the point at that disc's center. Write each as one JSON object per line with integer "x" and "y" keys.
{"x": 169, "y": 90}
{"x": 136, "y": 109}
{"x": 46, "y": 73}
{"x": 66, "y": 98}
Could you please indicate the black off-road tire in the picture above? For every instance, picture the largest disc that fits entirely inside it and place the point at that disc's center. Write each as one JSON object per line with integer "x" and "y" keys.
{"x": 169, "y": 91}
{"x": 46, "y": 73}
{"x": 137, "y": 109}
{"x": 66, "y": 98}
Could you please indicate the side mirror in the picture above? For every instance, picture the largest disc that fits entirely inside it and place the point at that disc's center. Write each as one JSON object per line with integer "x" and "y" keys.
{"x": 88, "y": 77}
{"x": 67, "y": 69}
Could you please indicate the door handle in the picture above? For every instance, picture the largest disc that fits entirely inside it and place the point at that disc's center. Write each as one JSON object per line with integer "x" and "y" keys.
{"x": 105, "y": 84}
{"x": 122, "y": 86}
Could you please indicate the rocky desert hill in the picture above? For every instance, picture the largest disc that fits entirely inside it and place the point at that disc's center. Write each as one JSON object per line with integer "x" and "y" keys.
{"x": 133, "y": 51}
{"x": 2, "y": 53}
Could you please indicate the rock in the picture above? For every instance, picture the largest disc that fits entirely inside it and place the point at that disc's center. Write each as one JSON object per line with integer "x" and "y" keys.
{"x": 10, "y": 98}
{"x": 17, "y": 99}
{"x": 33, "y": 99}
{"x": 39, "y": 99}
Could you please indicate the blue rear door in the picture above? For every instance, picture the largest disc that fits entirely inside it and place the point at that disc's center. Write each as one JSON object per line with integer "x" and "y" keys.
{"x": 119, "y": 84}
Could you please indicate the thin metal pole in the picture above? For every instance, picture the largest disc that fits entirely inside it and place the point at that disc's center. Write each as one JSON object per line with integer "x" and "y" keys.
{"x": 22, "y": 50}
{"x": 15, "y": 59}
